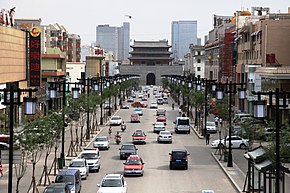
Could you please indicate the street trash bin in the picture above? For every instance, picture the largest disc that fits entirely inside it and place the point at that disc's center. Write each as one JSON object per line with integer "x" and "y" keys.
{"x": 226, "y": 156}
{"x": 60, "y": 163}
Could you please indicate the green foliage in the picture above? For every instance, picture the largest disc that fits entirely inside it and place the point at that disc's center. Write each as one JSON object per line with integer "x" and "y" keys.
{"x": 222, "y": 108}
{"x": 196, "y": 99}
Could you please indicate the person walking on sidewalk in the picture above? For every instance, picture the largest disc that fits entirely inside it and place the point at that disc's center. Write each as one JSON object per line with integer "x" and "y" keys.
{"x": 207, "y": 137}
{"x": 110, "y": 131}
{"x": 1, "y": 169}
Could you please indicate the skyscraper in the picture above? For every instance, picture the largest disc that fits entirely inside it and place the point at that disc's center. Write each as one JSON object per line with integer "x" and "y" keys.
{"x": 183, "y": 33}
{"x": 115, "y": 39}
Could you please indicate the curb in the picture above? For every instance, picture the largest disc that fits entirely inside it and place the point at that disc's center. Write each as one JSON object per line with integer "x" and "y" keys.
{"x": 227, "y": 174}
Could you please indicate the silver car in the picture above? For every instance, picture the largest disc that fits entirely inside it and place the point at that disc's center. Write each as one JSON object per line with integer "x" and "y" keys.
{"x": 164, "y": 136}
{"x": 101, "y": 142}
{"x": 158, "y": 126}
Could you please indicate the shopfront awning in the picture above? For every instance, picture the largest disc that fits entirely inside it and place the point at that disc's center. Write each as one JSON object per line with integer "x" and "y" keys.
{"x": 257, "y": 154}
{"x": 255, "y": 33}
{"x": 263, "y": 166}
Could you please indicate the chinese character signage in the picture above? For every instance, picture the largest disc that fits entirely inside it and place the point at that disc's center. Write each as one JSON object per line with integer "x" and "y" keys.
{"x": 34, "y": 56}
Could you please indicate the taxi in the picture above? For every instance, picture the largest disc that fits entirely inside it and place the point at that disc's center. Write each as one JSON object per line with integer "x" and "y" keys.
{"x": 134, "y": 166}
{"x": 139, "y": 137}
{"x": 161, "y": 118}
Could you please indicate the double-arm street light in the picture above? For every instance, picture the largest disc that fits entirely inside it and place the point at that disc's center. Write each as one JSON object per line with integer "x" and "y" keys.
{"x": 11, "y": 98}
{"x": 52, "y": 95}
{"x": 260, "y": 112}
{"x": 230, "y": 88}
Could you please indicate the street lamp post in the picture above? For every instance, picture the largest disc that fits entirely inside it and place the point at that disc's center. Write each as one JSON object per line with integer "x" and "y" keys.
{"x": 11, "y": 98}
{"x": 101, "y": 104}
{"x": 260, "y": 112}
{"x": 230, "y": 89}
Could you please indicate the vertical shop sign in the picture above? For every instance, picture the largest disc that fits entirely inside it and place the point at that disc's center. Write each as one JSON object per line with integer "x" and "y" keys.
{"x": 34, "y": 56}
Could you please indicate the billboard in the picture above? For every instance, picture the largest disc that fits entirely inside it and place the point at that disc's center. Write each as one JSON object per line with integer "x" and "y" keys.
{"x": 34, "y": 56}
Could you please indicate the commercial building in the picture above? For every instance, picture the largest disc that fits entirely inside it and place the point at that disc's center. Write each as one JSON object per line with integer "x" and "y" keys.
{"x": 114, "y": 39}
{"x": 183, "y": 33}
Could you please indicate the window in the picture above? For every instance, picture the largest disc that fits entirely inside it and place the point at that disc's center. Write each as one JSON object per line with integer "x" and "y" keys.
{"x": 198, "y": 60}
{"x": 198, "y": 68}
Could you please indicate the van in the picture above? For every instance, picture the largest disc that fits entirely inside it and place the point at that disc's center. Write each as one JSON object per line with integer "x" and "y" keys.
{"x": 72, "y": 177}
{"x": 182, "y": 124}
{"x": 237, "y": 118}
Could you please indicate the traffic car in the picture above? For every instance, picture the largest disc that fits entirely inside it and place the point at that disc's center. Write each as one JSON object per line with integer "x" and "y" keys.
{"x": 139, "y": 137}
{"x": 164, "y": 136}
{"x": 144, "y": 98}
{"x": 127, "y": 149}
{"x": 161, "y": 118}
{"x": 133, "y": 166}
{"x": 57, "y": 187}
{"x": 211, "y": 127}
{"x": 139, "y": 111}
{"x": 158, "y": 126}
{"x": 139, "y": 104}
{"x": 81, "y": 165}
{"x": 101, "y": 142}
{"x": 93, "y": 158}
{"x": 135, "y": 118}
{"x": 130, "y": 100}
{"x": 160, "y": 111}
{"x": 178, "y": 159}
{"x": 113, "y": 183}
{"x": 125, "y": 106}
{"x": 153, "y": 105}
{"x": 236, "y": 141}
{"x": 160, "y": 101}
{"x": 116, "y": 120}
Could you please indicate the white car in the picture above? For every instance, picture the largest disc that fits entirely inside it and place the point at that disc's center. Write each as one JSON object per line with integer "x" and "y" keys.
{"x": 153, "y": 105}
{"x": 164, "y": 136}
{"x": 113, "y": 183}
{"x": 158, "y": 126}
{"x": 101, "y": 142}
{"x": 116, "y": 120}
{"x": 93, "y": 158}
{"x": 81, "y": 165}
{"x": 236, "y": 141}
{"x": 211, "y": 127}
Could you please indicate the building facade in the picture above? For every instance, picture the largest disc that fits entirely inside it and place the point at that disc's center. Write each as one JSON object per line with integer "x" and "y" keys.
{"x": 183, "y": 33}
{"x": 114, "y": 39}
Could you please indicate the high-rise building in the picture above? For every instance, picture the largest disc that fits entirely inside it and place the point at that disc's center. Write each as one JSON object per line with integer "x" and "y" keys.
{"x": 183, "y": 33}
{"x": 114, "y": 39}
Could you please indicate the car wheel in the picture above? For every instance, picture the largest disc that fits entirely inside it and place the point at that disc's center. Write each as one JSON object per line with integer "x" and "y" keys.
{"x": 242, "y": 146}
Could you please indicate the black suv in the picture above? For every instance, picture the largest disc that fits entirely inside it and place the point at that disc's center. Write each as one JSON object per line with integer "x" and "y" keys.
{"x": 127, "y": 149}
{"x": 178, "y": 159}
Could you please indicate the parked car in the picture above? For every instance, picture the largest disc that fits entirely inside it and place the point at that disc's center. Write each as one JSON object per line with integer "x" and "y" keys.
{"x": 81, "y": 165}
{"x": 161, "y": 118}
{"x": 57, "y": 188}
{"x": 158, "y": 126}
{"x": 134, "y": 166}
{"x": 107, "y": 105}
{"x": 127, "y": 149}
{"x": 236, "y": 141}
{"x": 139, "y": 137}
{"x": 138, "y": 111}
{"x": 153, "y": 105}
{"x": 101, "y": 142}
{"x": 93, "y": 158}
{"x": 116, "y": 120}
{"x": 125, "y": 105}
{"x": 135, "y": 118}
{"x": 139, "y": 104}
{"x": 164, "y": 136}
{"x": 113, "y": 183}
{"x": 178, "y": 159}
{"x": 211, "y": 127}
{"x": 130, "y": 99}
{"x": 160, "y": 111}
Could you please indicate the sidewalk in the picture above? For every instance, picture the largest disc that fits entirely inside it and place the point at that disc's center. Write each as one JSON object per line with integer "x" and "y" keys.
{"x": 235, "y": 174}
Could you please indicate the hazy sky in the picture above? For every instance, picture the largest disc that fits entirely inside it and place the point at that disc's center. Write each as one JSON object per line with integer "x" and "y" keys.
{"x": 151, "y": 19}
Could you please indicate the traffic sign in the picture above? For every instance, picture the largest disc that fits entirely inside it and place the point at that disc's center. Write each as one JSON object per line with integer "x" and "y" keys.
{"x": 16, "y": 157}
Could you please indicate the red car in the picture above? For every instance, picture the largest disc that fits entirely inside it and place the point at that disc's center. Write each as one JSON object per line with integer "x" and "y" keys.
{"x": 135, "y": 118}
{"x": 139, "y": 137}
{"x": 161, "y": 118}
{"x": 139, "y": 104}
{"x": 133, "y": 166}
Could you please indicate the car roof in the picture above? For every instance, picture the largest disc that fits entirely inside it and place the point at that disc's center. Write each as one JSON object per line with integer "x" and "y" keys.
{"x": 78, "y": 159}
{"x": 134, "y": 157}
{"x": 67, "y": 172}
{"x": 113, "y": 176}
{"x": 102, "y": 136}
{"x": 159, "y": 123}
{"x": 179, "y": 150}
{"x": 57, "y": 185}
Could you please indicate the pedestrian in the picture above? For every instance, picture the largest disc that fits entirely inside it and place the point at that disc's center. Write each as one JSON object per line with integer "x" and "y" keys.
{"x": 207, "y": 137}
{"x": 172, "y": 106}
{"x": 221, "y": 122}
{"x": 1, "y": 169}
{"x": 110, "y": 132}
{"x": 216, "y": 120}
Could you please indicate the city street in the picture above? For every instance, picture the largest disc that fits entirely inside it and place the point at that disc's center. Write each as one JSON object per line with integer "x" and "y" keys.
{"x": 203, "y": 172}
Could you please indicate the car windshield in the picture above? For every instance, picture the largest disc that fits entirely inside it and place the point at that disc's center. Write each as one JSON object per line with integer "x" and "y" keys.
{"x": 68, "y": 179}
{"x": 101, "y": 139}
{"x": 210, "y": 124}
{"x": 159, "y": 124}
{"x": 77, "y": 164}
{"x": 128, "y": 147}
{"x": 178, "y": 155}
{"x": 133, "y": 162}
{"x": 183, "y": 122}
{"x": 115, "y": 118}
{"x": 89, "y": 156}
{"x": 111, "y": 183}
{"x": 164, "y": 133}
{"x": 139, "y": 134}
